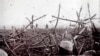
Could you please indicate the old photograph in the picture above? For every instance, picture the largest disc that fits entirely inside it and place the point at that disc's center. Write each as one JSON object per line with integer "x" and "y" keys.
{"x": 49, "y": 27}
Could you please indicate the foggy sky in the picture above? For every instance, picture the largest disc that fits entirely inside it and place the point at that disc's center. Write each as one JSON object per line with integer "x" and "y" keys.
{"x": 14, "y": 12}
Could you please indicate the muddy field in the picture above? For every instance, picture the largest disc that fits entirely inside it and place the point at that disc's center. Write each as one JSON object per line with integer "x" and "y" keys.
{"x": 35, "y": 42}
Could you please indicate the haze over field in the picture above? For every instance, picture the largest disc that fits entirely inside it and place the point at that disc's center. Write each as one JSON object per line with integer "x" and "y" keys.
{"x": 14, "y": 12}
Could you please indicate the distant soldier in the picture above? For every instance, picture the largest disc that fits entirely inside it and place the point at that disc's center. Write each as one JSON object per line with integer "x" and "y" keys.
{"x": 46, "y": 26}
{"x": 13, "y": 31}
{"x": 4, "y": 27}
{"x": 31, "y": 26}
{"x": 36, "y": 25}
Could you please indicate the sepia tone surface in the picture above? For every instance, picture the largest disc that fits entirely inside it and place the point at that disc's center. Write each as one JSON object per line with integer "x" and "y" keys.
{"x": 42, "y": 28}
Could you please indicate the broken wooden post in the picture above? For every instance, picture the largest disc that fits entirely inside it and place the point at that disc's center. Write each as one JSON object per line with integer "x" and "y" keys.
{"x": 9, "y": 47}
{"x": 80, "y": 32}
{"x": 31, "y": 22}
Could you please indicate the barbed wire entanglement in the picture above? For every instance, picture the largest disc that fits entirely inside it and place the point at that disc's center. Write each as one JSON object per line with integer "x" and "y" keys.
{"x": 34, "y": 41}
